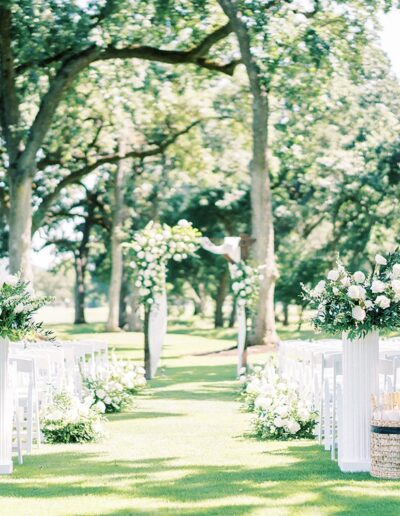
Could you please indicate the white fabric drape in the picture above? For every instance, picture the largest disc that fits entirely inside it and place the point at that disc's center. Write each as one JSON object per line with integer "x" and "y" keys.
{"x": 241, "y": 337}
{"x": 157, "y": 330}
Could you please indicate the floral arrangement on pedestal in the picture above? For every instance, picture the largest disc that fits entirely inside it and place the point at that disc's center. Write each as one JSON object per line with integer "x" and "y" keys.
{"x": 18, "y": 305}
{"x": 113, "y": 388}
{"x": 152, "y": 248}
{"x": 281, "y": 412}
{"x": 245, "y": 284}
{"x": 69, "y": 420}
{"x": 357, "y": 303}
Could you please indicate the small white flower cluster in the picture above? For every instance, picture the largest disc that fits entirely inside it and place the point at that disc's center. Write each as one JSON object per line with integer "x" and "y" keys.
{"x": 356, "y": 302}
{"x": 70, "y": 420}
{"x": 152, "y": 248}
{"x": 246, "y": 282}
{"x": 112, "y": 388}
{"x": 281, "y": 412}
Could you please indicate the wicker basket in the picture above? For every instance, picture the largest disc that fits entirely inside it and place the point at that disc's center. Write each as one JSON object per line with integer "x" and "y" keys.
{"x": 385, "y": 449}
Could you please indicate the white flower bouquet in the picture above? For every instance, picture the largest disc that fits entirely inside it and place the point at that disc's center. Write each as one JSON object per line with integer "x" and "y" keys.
{"x": 18, "y": 305}
{"x": 246, "y": 283}
{"x": 280, "y": 412}
{"x": 112, "y": 389}
{"x": 150, "y": 251}
{"x": 68, "y": 420}
{"x": 358, "y": 303}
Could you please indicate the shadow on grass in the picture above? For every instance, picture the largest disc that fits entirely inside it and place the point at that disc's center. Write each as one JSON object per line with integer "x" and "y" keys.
{"x": 141, "y": 415}
{"x": 307, "y": 479}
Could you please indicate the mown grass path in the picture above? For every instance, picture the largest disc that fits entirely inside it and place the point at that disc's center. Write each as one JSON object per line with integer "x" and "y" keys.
{"x": 182, "y": 450}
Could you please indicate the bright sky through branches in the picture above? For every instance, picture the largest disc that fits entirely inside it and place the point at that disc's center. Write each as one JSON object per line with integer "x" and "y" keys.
{"x": 390, "y": 38}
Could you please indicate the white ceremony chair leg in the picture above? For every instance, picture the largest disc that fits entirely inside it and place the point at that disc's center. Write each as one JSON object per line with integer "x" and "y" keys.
{"x": 327, "y": 416}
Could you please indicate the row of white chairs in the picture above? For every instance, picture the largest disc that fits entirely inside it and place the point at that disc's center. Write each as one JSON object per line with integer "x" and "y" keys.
{"x": 316, "y": 366}
{"x": 38, "y": 370}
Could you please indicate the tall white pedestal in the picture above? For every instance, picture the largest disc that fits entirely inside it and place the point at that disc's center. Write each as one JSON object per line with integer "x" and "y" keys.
{"x": 360, "y": 381}
{"x": 6, "y": 465}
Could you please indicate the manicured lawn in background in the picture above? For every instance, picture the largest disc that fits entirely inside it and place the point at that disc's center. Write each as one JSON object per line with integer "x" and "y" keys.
{"x": 182, "y": 450}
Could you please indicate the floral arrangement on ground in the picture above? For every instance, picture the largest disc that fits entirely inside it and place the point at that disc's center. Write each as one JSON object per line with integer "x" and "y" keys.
{"x": 280, "y": 411}
{"x": 112, "y": 389}
{"x": 69, "y": 420}
{"x": 358, "y": 303}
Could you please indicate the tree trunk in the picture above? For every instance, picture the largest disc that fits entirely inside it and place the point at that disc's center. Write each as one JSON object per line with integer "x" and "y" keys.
{"x": 132, "y": 311}
{"x": 232, "y": 317}
{"x": 116, "y": 240}
{"x": 79, "y": 291}
{"x": 20, "y": 221}
{"x": 261, "y": 198}
{"x": 285, "y": 314}
{"x": 122, "y": 303}
{"x": 219, "y": 301}
{"x": 147, "y": 363}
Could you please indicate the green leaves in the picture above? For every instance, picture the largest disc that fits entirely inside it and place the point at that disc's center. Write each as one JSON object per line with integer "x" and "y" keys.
{"x": 17, "y": 309}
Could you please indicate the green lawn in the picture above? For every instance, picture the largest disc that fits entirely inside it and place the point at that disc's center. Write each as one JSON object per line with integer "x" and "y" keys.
{"x": 183, "y": 451}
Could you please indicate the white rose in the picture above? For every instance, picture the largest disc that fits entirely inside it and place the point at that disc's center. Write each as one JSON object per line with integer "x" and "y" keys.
{"x": 303, "y": 413}
{"x": 345, "y": 281}
{"x": 396, "y": 270}
{"x": 235, "y": 287}
{"x": 356, "y": 292}
{"x": 320, "y": 287}
{"x": 396, "y": 286}
{"x": 100, "y": 393}
{"x": 107, "y": 400}
{"x": 380, "y": 260}
{"x": 19, "y": 308}
{"x": 100, "y": 407}
{"x": 359, "y": 277}
{"x": 335, "y": 291}
{"x": 183, "y": 223}
{"x": 278, "y": 422}
{"x": 141, "y": 254}
{"x": 333, "y": 275}
{"x": 383, "y": 302}
{"x": 293, "y": 427}
{"x": 378, "y": 286}
{"x": 369, "y": 304}
{"x": 358, "y": 313}
{"x": 11, "y": 280}
{"x": 282, "y": 411}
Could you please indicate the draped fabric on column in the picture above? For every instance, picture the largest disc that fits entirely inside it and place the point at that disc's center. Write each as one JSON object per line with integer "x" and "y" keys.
{"x": 157, "y": 330}
{"x": 231, "y": 249}
{"x": 5, "y": 410}
{"x": 241, "y": 338}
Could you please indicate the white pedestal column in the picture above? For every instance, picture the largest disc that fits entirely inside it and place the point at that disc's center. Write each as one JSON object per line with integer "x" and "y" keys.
{"x": 360, "y": 381}
{"x": 6, "y": 465}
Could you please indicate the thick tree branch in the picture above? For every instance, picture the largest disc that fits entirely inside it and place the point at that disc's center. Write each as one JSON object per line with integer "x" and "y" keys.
{"x": 76, "y": 63}
{"x": 87, "y": 168}
{"x": 9, "y": 112}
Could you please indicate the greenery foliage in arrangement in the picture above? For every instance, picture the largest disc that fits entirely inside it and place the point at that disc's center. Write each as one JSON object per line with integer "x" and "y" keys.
{"x": 68, "y": 420}
{"x": 112, "y": 389}
{"x": 281, "y": 412}
{"x": 246, "y": 284}
{"x": 152, "y": 248}
{"x": 358, "y": 303}
{"x": 18, "y": 306}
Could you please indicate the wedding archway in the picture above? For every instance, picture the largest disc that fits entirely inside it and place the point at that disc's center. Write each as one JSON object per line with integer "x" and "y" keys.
{"x": 151, "y": 250}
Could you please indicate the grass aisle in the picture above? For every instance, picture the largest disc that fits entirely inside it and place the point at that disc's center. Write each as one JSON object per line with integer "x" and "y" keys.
{"x": 182, "y": 451}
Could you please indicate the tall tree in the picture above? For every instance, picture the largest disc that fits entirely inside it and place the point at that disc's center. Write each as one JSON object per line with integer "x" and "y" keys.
{"x": 79, "y": 42}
